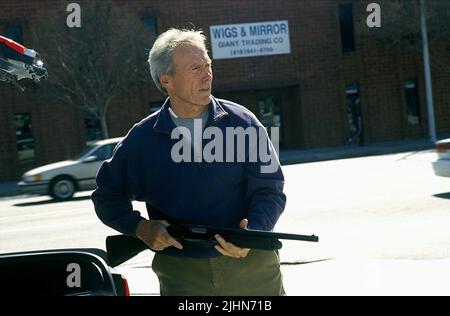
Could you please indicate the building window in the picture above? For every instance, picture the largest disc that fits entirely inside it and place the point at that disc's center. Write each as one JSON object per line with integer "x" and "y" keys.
{"x": 347, "y": 27}
{"x": 24, "y": 139}
{"x": 412, "y": 102}
{"x": 14, "y": 33}
{"x": 354, "y": 115}
{"x": 93, "y": 129}
{"x": 269, "y": 113}
{"x": 151, "y": 25}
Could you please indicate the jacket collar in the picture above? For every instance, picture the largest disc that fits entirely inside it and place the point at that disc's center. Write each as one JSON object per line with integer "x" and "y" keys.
{"x": 164, "y": 123}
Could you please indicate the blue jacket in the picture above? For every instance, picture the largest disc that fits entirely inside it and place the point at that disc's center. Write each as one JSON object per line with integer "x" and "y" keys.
{"x": 208, "y": 193}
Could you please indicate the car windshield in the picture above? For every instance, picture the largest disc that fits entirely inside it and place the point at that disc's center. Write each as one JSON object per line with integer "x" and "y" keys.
{"x": 83, "y": 153}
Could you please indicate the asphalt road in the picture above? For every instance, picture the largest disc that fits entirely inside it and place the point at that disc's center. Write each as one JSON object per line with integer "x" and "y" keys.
{"x": 389, "y": 206}
{"x": 372, "y": 208}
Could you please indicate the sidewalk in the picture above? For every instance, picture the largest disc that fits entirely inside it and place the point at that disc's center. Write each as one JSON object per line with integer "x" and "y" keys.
{"x": 330, "y": 153}
{"x": 310, "y": 155}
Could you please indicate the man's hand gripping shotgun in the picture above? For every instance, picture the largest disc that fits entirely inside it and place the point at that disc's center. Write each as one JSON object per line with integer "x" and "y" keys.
{"x": 121, "y": 248}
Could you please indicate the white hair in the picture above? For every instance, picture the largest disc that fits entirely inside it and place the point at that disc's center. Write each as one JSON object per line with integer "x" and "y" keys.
{"x": 160, "y": 56}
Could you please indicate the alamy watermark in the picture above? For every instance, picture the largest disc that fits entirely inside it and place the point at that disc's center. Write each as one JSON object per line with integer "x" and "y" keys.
{"x": 251, "y": 144}
{"x": 74, "y": 277}
{"x": 74, "y": 18}
{"x": 374, "y": 18}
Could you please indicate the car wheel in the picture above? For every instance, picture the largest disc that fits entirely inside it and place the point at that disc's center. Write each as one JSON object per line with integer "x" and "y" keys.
{"x": 62, "y": 188}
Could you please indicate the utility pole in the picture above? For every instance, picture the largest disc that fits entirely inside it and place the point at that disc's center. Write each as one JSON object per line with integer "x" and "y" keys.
{"x": 426, "y": 64}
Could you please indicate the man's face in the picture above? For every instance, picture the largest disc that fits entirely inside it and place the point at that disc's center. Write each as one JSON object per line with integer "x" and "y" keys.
{"x": 190, "y": 85}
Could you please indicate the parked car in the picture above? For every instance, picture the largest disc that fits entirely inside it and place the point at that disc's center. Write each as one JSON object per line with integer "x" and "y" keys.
{"x": 61, "y": 272}
{"x": 441, "y": 166}
{"x": 62, "y": 179}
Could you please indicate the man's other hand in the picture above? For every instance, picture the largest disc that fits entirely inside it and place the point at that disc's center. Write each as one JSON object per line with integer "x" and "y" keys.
{"x": 155, "y": 235}
{"x": 228, "y": 249}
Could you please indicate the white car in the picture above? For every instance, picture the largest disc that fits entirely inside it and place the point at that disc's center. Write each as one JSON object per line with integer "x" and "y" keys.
{"x": 442, "y": 165}
{"x": 62, "y": 179}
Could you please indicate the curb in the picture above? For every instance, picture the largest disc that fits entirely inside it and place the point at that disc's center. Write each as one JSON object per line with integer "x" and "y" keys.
{"x": 287, "y": 158}
{"x": 9, "y": 189}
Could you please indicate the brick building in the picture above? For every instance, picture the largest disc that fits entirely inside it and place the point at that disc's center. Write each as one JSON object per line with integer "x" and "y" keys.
{"x": 306, "y": 90}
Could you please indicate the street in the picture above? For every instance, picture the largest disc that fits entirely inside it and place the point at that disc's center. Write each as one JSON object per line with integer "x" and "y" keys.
{"x": 389, "y": 206}
{"x": 365, "y": 210}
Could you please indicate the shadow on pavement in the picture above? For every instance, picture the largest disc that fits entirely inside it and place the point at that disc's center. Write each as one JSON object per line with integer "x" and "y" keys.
{"x": 443, "y": 195}
{"x": 51, "y": 201}
{"x": 304, "y": 262}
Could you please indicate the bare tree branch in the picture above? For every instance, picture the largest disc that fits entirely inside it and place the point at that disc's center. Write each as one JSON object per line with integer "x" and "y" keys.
{"x": 401, "y": 27}
{"x": 90, "y": 66}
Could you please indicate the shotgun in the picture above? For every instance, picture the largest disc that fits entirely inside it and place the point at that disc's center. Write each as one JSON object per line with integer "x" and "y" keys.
{"x": 121, "y": 248}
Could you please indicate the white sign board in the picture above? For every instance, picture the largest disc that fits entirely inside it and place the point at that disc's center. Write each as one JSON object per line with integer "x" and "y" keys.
{"x": 250, "y": 39}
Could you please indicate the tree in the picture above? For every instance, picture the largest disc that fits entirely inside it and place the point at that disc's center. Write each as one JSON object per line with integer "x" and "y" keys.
{"x": 401, "y": 27}
{"x": 91, "y": 65}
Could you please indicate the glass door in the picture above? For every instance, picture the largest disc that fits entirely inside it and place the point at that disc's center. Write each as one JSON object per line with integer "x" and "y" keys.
{"x": 269, "y": 114}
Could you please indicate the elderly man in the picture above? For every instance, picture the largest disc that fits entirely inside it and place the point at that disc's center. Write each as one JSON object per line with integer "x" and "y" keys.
{"x": 232, "y": 191}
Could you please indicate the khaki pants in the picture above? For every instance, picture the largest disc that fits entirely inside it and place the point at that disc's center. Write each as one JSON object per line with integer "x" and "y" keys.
{"x": 258, "y": 274}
